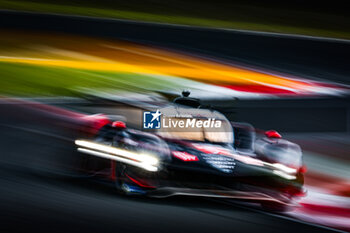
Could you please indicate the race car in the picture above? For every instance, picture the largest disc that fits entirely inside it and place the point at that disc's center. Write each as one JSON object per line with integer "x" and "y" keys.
{"x": 230, "y": 161}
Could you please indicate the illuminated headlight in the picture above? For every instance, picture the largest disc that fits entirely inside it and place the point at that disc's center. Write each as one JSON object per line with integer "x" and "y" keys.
{"x": 284, "y": 168}
{"x": 149, "y": 159}
{"x": 142, "y": 160}
{"x": 284, "y": 175}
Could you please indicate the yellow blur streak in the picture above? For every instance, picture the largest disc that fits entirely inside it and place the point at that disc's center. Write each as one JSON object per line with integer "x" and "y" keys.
{"x": 101, "y": 55}
{"x": 203, "y": 70}
{"x": 98, "y": 66}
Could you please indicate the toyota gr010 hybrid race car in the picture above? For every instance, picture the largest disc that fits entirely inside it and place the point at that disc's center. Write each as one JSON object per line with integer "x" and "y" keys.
{"x": 230, "y": 162}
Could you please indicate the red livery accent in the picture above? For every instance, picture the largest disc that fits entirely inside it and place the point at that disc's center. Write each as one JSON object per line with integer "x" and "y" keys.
{"x": 184, "y": 156}
{"x": 272, "y": 134}
{"x": 139, "y": 183}
{"x": 113, "y": 175}
{"x": 303, "y": 169}
{"x": 119, "y": 125}
{"x": 95, "y": 123}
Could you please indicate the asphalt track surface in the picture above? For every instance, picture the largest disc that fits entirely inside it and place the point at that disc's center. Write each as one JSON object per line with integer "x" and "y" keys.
{"x": 35, "y": 197}
{"x": 32, "y": 200}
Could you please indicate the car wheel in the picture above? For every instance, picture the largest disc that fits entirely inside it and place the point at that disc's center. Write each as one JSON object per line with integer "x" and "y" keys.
{"x": 124, "y": 184}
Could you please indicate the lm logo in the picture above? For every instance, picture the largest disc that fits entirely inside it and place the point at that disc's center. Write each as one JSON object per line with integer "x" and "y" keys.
{"x": 151, "y": 120}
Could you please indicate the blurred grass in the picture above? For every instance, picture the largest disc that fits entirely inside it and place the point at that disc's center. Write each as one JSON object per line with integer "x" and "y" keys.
{"x": 33, "y": 80}
{"x": 237, "y": 16}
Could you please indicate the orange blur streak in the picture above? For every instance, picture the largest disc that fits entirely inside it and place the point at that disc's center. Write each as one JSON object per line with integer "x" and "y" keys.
{"x": 200, "y": 69}
{"x": 128, "y": 57}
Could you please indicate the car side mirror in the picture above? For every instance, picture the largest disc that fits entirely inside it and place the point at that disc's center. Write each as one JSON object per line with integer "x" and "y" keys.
{"x": 272, "y": 134}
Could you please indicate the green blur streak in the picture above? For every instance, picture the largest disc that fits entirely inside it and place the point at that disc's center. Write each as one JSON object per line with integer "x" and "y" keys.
{"x": 33, "y": 80}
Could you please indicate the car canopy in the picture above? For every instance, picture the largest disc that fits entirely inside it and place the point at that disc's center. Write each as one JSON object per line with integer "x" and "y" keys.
{"x": 195, "y": 124}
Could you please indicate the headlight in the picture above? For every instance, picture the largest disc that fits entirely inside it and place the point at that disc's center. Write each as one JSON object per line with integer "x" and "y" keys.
{"x": 149, "y": 159}
{"x": 142, "y": 160}
{"x": 284, "y": 168}
{"x": 284, "y": 175}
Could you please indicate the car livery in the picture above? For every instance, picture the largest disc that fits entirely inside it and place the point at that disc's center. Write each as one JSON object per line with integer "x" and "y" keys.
{"x": 231, "y": 161}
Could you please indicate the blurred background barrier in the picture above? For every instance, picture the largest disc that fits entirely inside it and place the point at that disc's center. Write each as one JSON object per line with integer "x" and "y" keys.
{"x": 295, "y": 115}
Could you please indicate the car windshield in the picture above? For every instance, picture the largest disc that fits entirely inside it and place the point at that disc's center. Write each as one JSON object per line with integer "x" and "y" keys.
{"x": 175, "y": 130}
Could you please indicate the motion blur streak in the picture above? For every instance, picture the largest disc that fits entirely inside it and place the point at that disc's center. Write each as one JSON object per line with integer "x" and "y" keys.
{"x": 37, "y": 140}
{"x": 127, "y": 57}
{"x": 25, "y": 113}
{"x": 119, "y": 159}
{"x": 141, "y": 160}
